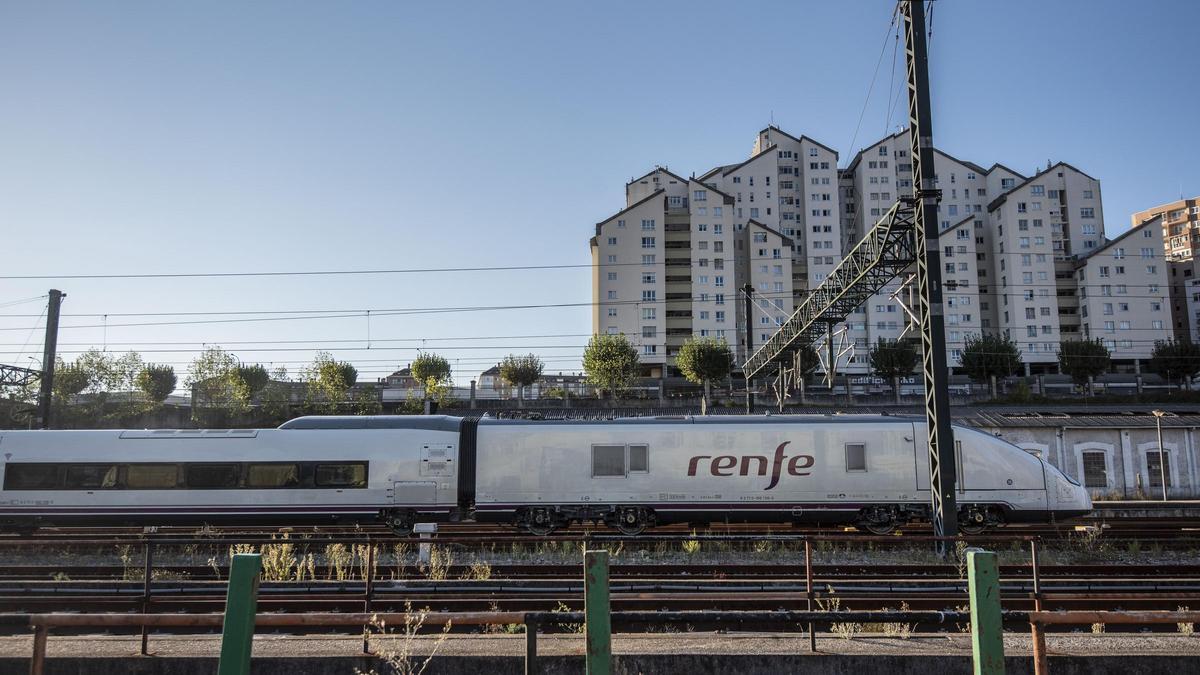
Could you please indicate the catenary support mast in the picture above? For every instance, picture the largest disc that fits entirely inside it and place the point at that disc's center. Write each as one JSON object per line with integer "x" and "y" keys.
{"x": 49, "y": 354}
{"x": 944, "y": 507}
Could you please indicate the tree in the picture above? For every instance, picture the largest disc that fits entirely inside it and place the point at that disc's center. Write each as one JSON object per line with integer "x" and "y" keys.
{"x": 101, "y": 375}
{"x": 894, "y": 359}
{"x": 256, "y": 377}
{"x": 433, "y": 372}
{"x": 520, "y": 372}
{"x": 70, "y": 380}
{"x": 1083, "y": 360}
{"x": 990, "y": 356}
{"x": 157, "y": 382}
{"x": 610, "y": 363}
{"x": 219, "y": 395}
{"x": 702, "y": 360}
{"x": 328, "y": 382}
{"x": 275, "y": 399}
{"x": 1175, "y": 358}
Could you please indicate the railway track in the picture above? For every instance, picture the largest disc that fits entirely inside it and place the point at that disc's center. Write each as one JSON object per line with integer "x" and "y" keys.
{"x": 1117, "y": 528}
{"x": 1061, "y": 589}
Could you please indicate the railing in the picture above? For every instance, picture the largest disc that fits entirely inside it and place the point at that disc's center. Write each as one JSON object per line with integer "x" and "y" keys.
{"x": 240, "y": 620}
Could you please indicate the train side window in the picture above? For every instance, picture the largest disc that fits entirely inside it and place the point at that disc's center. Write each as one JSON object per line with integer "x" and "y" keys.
{"x": 90, "y": 476}
{"x": 341, "y": 475}
{"x": 639, "y": 458}
{"x": 856, "y": 457}
{"x": 31, "y": 477}
{"x": 151, "y": 476}
{"x": 272, "y": 475}
{"x": 608, "y": 460}
{"x": 211, "y": 476}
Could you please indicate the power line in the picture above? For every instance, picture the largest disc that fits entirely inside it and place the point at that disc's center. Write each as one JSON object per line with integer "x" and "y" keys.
{"x": 225, "y": 343}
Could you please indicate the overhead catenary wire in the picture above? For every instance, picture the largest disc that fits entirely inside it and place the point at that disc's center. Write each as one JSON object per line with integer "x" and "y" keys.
{"x": 874, "y": 75}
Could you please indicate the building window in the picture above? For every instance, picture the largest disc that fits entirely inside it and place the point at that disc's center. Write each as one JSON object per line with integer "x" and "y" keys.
{"x": 1095, "y": 469}
{"x": 647, "y": 242}
{"x": 1153, "y": 472}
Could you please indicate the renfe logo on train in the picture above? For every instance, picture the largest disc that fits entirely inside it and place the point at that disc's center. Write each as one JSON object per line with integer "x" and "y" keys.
{"x": 723, "y": 465}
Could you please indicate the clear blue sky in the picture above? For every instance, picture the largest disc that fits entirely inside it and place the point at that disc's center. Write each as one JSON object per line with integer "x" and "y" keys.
{"x": 214, "y": 137}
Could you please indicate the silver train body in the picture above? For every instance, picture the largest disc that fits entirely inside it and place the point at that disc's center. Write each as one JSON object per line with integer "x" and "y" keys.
{"x": 540, "y": 475}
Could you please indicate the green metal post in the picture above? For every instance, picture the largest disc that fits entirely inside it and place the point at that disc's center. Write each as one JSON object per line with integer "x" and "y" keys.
{"x": 240, "y": 605}
{"x": 598, "y": 618}
{"x": 987, "y": 629}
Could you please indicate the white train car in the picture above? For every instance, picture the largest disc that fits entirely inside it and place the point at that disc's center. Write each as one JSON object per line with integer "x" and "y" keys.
{"x": 309, "y": 471}
{"x": 541, "y": 475}
{"x": 872, "y": 471}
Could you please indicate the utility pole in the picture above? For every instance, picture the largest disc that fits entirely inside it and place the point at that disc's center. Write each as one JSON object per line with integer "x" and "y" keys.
{"x": 48, "y": 356}
{"x": 748, "y": 292}
{"x": 944, "y": 506}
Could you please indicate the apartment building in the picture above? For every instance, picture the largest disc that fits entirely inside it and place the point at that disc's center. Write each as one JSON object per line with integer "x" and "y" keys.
{"x": 1021, "y": 254}
{"x": 1180, "y": 222}
{"x": 1181, "y": 226}
{"x": 874, "y": 179}
{"x": 1040, "y": 226}
{"x": 673, "y": 262}
{"x": 1123, "y": 296}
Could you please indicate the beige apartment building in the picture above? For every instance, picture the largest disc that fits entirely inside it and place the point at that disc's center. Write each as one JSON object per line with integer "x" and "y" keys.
{"x": 1180, "y": 223}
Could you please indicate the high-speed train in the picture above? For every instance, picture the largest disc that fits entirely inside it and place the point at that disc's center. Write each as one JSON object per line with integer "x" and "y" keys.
{"x": 871, "y": 471}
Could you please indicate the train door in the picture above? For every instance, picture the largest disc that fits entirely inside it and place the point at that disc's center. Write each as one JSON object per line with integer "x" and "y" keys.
{"x": 921, "y": 457}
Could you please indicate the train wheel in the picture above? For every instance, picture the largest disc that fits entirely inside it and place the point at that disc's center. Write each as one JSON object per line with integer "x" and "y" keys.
{"x": 400, "y": 522}
{"x": 632, "y": 522}
{"x": 975, "y": 520}
{"x": 877, "y": 520}
{"x": 539, "y": 522}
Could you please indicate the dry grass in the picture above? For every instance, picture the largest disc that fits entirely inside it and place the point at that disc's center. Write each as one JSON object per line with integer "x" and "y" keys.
{"x": 1185, "y": 628}
{"x": 440, "y": 561}
{"x": 397, "y": 649}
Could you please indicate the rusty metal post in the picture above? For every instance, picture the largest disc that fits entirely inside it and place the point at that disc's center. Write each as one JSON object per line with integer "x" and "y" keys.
{"x": 1036, "y": 633}
{"x": 531, "y": 659}
{"x": 808, "y": 591}
{"x": 147, "y": 577}
{"x": 368, "y": 591}
{"x": 597, "y": 613}
{"x": 37, "y": 663}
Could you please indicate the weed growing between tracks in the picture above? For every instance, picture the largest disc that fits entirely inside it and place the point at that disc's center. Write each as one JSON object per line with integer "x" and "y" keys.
{"x": 846, "y": 630}
{"x": 896, "y": 629}
{"x": 396, "y": 647}
{"x": 1185, "y": 628}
